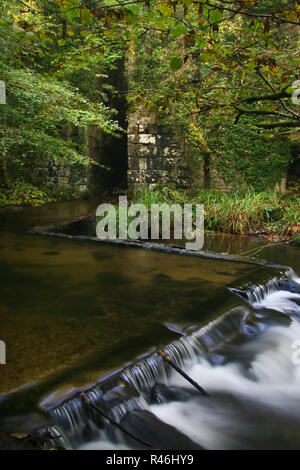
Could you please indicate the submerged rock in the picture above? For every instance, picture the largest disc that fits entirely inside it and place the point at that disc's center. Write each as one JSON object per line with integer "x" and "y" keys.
{"x": 10, "y": 442}
{"x": 295, "y": 241}
{"x": 289, "y": 285}
{"x": 118, "y": 394}
{"x": 163, "y": 394}
{"x": 160, "y": 435}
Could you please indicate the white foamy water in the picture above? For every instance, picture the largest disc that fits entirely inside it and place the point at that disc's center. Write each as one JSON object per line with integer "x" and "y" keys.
{"x": 246, "y": 408}
{"x": 295, "y": 277}
{"x": 282, "y": 301}
{"x": 270, "y": 296}
{"x": 103, "y": 444}
{"x": 254, "y": 405}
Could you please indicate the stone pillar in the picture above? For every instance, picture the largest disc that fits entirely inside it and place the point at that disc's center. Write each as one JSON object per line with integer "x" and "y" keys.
{"x": 154, "y": 156}
{"x": 281, "y": 185}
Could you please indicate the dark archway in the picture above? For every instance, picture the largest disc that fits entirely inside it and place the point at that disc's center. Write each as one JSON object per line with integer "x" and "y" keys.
{"x": 293, "y": 174}
{"x": 113, "y": 152}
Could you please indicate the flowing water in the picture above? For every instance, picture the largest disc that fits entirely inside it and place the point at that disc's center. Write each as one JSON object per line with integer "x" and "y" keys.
{"x": 74, "y": 316}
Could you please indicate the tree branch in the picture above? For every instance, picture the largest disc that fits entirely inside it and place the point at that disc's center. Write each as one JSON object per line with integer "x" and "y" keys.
{"x": 257, "y": 112}
{"x": 289, "y": 110}
{"x": 275, "y": 125}
{"x": 252, "y": 15}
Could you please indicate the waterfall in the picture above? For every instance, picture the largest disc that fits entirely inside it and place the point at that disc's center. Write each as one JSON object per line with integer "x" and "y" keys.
{"x": 280, "y": 294}
{"x": 256, "y": 407}
{"x": 131, "y": 389}
{"x": 260, "y": 373}
{"x": 185, "y": 352}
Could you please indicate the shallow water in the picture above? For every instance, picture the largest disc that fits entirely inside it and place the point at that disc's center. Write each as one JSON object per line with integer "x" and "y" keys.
{"x": 253, "y": 400}
{"x": 72, "y": 312}
{"x": 51, "y": 289}
{"x": 254, "y": 408}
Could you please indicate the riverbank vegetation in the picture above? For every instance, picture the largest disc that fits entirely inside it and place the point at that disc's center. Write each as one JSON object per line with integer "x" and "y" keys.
{"x": 23, "y": 193}
{"x": 52, "y": 69}
{"x": 221, "y": 75}
{"x": 237, "y": 212}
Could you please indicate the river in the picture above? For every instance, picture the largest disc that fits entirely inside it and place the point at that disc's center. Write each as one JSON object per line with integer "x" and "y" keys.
{"x": 74, "y": 312}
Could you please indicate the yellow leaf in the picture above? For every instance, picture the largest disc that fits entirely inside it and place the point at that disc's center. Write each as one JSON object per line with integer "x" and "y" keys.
{"x": 18, "y": 435}
{"x": 275, "y": 69}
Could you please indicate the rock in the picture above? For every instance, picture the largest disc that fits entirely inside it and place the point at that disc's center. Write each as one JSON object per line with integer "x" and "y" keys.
{"x": 146, "y": 426}
{"x": 163, "y": 394}
{"x": 295, "y": 241}
{"x": 117, "y": 395}
{"x": 289, "y": 285}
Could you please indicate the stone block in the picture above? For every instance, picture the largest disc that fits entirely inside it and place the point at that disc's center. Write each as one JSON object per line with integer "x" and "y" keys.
{"x": 133, "y": 138}
{"x": 143, "y": 164}
{"x": 133, "y": 163}
{"x": 132, "y": 150}
{"x": 141, "y": 150}
{"x": 134, "y": 176}
{"x": 146, "y": 116}
{"x": 147, "y": 139}
{"x": 145, "y": 127}
{"x": 175, "y": 151}
{"x": 133, "y": 126}
{"x": 146, "y": 150}
{"x": 158, "y": 164}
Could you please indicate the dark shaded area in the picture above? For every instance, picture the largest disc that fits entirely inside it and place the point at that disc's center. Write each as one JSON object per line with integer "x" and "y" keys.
{"x": 159, "y": 434}
{"x": 114, "y": 150}
{"x": 163, "y": 394}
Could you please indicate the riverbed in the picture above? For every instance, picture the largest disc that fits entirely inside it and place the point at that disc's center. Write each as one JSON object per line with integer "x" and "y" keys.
{"x": 73, "y": 312}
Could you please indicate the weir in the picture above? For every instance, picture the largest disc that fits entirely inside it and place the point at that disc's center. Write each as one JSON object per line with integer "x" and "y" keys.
{"x": 107, "y": 305}
{"x": 222, "y": 356}
{"x": 276, "y": 294}
{"x": 83, "y": 229}
{"x": 132, "y": 389}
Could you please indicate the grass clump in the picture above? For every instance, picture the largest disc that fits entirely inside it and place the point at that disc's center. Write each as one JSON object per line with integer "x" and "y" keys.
{"x": 22, "y": 193}
{"x": 236, "y": 212}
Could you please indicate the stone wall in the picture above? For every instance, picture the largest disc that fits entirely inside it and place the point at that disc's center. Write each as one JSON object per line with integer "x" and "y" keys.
{"x": 57, "y": 174}
{"x": 157, "y": 156}
{"x": 154, "y": 155}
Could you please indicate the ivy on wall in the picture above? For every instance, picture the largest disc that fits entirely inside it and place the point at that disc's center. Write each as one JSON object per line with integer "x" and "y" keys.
{"x": 242, "y": 155}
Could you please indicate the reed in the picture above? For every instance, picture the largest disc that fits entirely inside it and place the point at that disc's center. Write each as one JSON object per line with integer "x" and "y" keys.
{"x": 235, "y": 212}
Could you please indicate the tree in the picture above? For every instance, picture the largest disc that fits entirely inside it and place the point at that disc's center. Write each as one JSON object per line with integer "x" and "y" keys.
{"x": 216, "y": 58}
{"x": 42, "y": 73}
{"x": 256, "y": 41}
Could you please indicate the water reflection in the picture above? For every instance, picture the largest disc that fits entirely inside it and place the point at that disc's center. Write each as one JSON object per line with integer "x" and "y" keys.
{"x": 73, "y": 311}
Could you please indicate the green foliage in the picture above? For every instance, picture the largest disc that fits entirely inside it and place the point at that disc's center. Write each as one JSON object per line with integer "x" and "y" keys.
{"x": 295, "y": 240}
{"x": 199, "y": 60}
{"x": 218, "y": 88}
{"x": 195, "y": 63}
{"x": 22, "y": 193}
{"x": 36, "y": 112}
{"x": 51, "y": 83}
{"x": 235, "y": 212}
{"x": 244, "y": 156}
{"x": 240, "y": 213}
